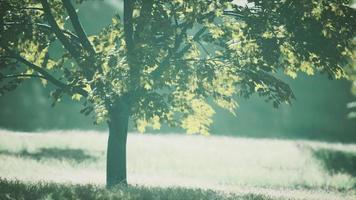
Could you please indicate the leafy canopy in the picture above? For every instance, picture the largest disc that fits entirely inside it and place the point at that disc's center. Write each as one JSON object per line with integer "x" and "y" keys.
{"x": 169, "y": 61}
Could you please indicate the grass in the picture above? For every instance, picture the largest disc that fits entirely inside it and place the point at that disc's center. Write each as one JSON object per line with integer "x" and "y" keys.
{"x": 88, "y": 192}
{"x": 71, "y": 164}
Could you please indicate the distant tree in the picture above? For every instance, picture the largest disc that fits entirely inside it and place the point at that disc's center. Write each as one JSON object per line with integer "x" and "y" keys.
{"x": 168, "y": 61}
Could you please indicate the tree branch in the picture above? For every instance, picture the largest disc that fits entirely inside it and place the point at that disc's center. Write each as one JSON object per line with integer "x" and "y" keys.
{"x": 204, "y": 49}
{"x": 30, "y": 8}
{"x": 158, "y": 72}
{"x": 128, "y": 26}
{"x": 76, "y": 54}
{"x": 44, "y": 26}
{"x": 38, "y": 69}
{"x": 78, "y": 27}
{"x": 128, "y": 34}
{"x": 144, "y": 17}
{"x": 242, "y": 13}
{"x": 178, "y": 40}
{"x": 46, "y": 75}
{"x": 234, "y": 14}
{"x": 58, "y": 31}
{"x": 22, "y": 76}
{"x": 195, "y": 38}
{"x": 197, "y": 60}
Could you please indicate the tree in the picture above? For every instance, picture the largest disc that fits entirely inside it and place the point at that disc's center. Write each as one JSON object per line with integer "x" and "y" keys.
{"x": 169, "y": 61}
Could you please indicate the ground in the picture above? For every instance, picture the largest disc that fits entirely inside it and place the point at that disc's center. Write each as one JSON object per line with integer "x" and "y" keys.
{"x": 171, "y": 166}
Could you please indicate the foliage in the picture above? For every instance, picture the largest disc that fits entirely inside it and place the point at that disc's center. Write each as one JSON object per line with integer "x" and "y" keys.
{"x": 351, "y": 72}
{"x": 168, "y": 61}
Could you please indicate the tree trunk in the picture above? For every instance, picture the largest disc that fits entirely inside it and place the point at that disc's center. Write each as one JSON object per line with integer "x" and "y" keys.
{"x": 116, "y": 152}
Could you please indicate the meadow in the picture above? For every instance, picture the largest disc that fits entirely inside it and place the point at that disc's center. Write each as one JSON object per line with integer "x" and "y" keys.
{"x": 71, "y": 165}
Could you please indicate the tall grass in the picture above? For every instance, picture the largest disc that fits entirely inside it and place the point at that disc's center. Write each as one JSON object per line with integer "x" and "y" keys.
{"x": 50, "y": 191}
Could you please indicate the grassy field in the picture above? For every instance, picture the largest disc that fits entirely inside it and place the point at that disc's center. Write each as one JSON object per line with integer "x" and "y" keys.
{"x": 71, "y": 165}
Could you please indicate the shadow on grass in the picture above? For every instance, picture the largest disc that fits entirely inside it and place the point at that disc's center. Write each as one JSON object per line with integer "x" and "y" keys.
{"x": 77, "y": 155}
{"x": 335, "y": 161}
{"x": 20, "y": 190}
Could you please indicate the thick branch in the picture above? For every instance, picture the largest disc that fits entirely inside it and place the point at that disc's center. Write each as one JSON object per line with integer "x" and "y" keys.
{"x": 30, "y": 8}
{"x": 234, "y": 14}
{"x": 38, "y": 69}
{"x": 128, "y": 26}
{"x": 23, "y": 76}
{"x": 189, "y": 45}
{"x": 75, "y": 53}
{"x": 58, "y": 31}
{"x": 196, "y": 60}
{"x": 72, "y": 35}
{"x": 78, "y": 27}
{"x": 46, "y": 75}
{"x": 144, "y": 17}
{"x": 128, "y": 33}
{"x": 204, "y": 49}
{"x": 242, "y": 13}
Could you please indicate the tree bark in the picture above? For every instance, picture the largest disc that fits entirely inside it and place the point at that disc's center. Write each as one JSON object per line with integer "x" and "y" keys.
{"x": 116, "y": 151}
